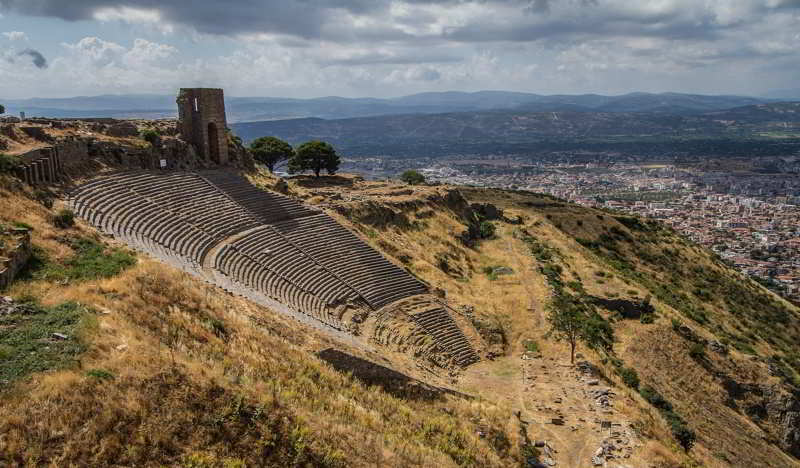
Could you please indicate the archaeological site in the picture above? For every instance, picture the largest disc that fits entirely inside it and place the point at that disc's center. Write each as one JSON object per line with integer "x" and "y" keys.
{"x": 183, "y": 199}
{"x": 168, "y": 300}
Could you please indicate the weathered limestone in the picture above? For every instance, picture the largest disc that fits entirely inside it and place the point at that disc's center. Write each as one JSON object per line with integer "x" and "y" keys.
{"x": 16, "y": 260}
{"x": 259, "y": 244}
{"x": 123, "y": 130}
{"x": 202, "y": 122}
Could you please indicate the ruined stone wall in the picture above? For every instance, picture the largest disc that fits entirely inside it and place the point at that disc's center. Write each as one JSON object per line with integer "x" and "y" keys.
{"x": 46, "y": 165}
{"x": 16, "y": 259}
{"x": 40, "y": 166}
{"x": 202, "y": 122}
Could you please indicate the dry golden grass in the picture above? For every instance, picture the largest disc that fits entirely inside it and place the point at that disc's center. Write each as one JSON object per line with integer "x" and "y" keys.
{"x": 185, "y": 355}
{"x": 518, "y": 301}
{"x": 204, "y": 379}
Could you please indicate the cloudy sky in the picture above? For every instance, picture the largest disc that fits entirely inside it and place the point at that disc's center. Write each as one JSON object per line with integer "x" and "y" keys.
{"x": 308, "y": 48}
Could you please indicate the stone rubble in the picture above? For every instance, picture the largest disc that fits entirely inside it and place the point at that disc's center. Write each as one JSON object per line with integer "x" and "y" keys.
{"x": 616, "y": 440}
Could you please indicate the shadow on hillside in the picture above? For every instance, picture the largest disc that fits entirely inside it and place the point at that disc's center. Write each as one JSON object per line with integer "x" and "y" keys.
{"x": 309, "y": 181}
{"x": 627, "y": 308}
{"x": 391, "y": 381}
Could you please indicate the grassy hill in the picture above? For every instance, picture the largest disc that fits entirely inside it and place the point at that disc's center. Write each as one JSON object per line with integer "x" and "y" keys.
{"x": 159, "y": 369}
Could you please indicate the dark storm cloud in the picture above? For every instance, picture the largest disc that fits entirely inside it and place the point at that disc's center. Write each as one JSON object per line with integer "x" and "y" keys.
{"x": 505, "y": 20}
{"x": 302, "y": 18}
{"x": 38, "y": 59}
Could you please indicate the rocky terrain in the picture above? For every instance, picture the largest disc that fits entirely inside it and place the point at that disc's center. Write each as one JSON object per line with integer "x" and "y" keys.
{"x": 112, "y": 357}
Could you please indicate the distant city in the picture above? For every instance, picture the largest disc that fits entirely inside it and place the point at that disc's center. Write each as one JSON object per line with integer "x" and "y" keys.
{"x": 752, "y": 220}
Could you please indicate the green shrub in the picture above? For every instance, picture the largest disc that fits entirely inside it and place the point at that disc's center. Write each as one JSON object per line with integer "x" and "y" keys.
{"x": 630, "y": 377}
{"x": 575, "y": 286}
{"x": 151, "y": 136}
{"x": 43, "y": 197}
{"x": 531, "y": 346}
{"x": 654, "y": 398}
{"x": 697, "y": 351}
{"x": 100, "y": 374}
{"x": 8, "y": 163}
{"x": 412, "y": 177}
{"x": 685, "y": 436}
{"x": 64, "y": 219}
{"x": 487, "y": 230}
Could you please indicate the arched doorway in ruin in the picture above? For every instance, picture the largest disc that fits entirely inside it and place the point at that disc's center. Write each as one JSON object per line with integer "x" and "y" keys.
{"x": 213, "y": 142}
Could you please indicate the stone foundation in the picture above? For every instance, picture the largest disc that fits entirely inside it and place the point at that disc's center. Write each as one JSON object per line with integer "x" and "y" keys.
{"x": 17, "y": 258}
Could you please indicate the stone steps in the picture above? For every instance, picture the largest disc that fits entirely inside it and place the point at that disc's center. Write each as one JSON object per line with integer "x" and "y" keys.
{"x": 289, "y": 252}
{"x": 439, "y": 324}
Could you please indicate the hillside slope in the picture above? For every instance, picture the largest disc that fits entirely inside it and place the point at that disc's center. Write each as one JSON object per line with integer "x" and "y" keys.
{"x": 158, "y": 368}
{"x": 715, "y": 347}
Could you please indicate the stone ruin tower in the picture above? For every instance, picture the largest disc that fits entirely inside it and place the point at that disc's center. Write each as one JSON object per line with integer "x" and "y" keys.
{"x": 201, "y": 122}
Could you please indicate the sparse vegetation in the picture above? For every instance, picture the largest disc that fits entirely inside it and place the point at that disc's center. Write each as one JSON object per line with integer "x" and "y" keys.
{"x": 412, "y": 177}
{"x": 8, "y": 163}
{"x": 28, "y": 340}
{"x": 91, "y": 260}
{"x": 270, "y": 150}
{"x": 100, "y": 374}
{"x": 314, "y": 156}
{"x": 64, "y": 219}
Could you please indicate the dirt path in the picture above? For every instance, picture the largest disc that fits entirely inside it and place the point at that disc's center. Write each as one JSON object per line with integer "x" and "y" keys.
{"x": 566, "y": 406}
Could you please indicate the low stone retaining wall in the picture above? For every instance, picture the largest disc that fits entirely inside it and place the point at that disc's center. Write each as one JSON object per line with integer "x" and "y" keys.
{"x": 19, "y": 254}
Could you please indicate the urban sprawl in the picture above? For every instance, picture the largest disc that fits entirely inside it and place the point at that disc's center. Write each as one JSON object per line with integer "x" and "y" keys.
{"x": 751, "y": 220}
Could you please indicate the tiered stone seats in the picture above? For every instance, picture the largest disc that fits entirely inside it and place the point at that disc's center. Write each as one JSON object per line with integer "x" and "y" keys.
{"x": 273, "y": 251}
{"x": 180, "y": 211}
{"x": 267, "y": 206}
{"x": 243, "y": 270}
{"x": 377, "y": 280}
{"x": 438, "y": 323}
{"x": 279, "y": 249}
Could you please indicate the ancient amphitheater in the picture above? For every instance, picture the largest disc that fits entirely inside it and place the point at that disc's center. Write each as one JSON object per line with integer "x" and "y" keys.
{"x": 261, "y": 245}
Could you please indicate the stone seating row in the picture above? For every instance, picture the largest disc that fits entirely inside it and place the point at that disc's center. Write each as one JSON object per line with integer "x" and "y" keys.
{"x": 299, "y": 256}
{"x": 176, "y": 203}
{"x": 135, "y": 208}
{"x": 377, "y": 280}
{"x": 439, "y": 324}
{"x": 270, "y": 249}
{"x": 245, "y": 271}
{"x": 269, "y": 207}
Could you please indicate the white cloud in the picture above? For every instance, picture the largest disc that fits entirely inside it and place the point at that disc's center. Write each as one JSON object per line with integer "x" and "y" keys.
{"x": 389, "y": 47}
{"x": 15, "y": 36}
{"x": 137, "y": 16}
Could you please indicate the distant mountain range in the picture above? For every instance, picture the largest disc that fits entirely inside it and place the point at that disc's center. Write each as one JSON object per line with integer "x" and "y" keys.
{"x": 248, "y": 109}
{"x": 772, "y": 128}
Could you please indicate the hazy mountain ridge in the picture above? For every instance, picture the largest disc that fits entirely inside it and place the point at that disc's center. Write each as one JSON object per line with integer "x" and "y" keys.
{"x": 243, "y": 109}
{"x": 509, "y": 130}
